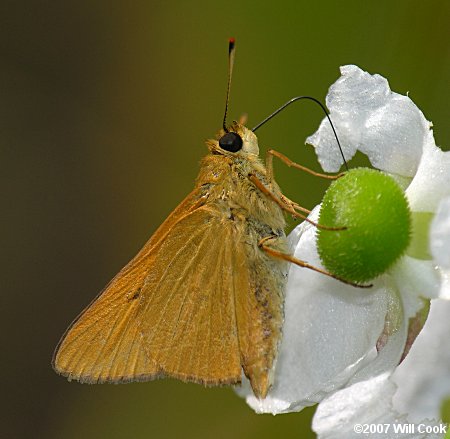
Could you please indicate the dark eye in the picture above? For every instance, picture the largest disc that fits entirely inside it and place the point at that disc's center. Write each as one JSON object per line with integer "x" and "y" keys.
{"x": 231, "y": 142}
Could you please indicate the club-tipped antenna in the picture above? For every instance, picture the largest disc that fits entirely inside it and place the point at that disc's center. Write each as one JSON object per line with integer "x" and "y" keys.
{"x": 321, "y": 106}
{"x": 231, "y": 52}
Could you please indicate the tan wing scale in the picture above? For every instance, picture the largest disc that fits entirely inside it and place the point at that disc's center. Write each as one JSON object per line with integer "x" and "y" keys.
{"x": 189, "y": 323}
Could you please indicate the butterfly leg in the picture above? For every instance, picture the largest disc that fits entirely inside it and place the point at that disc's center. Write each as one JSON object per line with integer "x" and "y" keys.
{"x": 287, "y": 206}
{"x": 286, "y": 257}
{"x": 295, "y": 205}
{"x": 270, "y": 175}
{"x": 271, "y": 153}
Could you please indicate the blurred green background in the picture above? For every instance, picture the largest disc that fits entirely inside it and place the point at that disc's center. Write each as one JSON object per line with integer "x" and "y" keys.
{"x": 104, "y": 110}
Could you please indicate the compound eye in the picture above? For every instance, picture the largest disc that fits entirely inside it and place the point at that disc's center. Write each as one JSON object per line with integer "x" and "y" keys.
{"x": 231, "y": 142}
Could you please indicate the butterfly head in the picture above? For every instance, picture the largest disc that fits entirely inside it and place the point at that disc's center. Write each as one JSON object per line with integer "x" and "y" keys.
{"x": 238, "y": 140}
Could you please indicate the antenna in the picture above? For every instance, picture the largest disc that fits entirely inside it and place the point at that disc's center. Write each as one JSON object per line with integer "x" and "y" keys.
{"x": 291, "y": 101}
{"x": 231, "y": 52}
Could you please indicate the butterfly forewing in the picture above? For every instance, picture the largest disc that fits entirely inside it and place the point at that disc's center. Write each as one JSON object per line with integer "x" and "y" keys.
{"x": 188, "y": 319}
{"x": 105, "y": 342}
{"x": 188, "y": 306}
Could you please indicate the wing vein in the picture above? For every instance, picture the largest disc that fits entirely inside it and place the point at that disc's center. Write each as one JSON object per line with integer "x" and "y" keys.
{"x": 176, "y": 285}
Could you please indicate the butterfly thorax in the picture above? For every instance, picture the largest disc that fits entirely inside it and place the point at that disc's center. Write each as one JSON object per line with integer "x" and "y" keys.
{"x": 224, "y": 181}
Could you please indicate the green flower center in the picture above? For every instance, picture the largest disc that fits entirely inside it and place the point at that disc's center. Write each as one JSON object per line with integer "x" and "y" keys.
{"x": 375, "y": 212}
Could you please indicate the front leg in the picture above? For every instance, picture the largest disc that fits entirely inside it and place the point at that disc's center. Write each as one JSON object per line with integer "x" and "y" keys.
{"x": 287, "y": 161}
{"x": 289, "y": 208}
{"x": 295, "y": 205}
{"x": 264, "y": 245}
{"x": 271, "y": 153}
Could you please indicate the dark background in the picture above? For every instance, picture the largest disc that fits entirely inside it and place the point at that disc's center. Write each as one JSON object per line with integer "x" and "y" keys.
{"x": 105, "y": 106}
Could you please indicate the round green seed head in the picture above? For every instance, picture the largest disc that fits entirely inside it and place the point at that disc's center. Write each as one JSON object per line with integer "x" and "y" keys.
{"x": 375, "y": 212}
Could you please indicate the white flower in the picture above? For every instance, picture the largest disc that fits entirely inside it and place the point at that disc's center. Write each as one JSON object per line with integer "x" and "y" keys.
{"x": 342, "y": 345}
{"x": 412, "y": 393}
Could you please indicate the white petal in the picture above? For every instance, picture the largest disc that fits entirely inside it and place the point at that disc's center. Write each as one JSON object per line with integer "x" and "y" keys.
{"x": 350, "y": 99}
{"x": 423, "y": 378}
{"x": 327, "y": 149}
{"x": 362, "y": 403}
{"x": 415, "y": 278}
{"x": 394, "y": 136}
{"x": 386, "y": 126}
{"x": 440, "y": 234}
{"x": 396, "y": 329}
{"x": 365, "y": 403}
{"x": 432, "y": 181}
{"x": 445, "y": 285}
{"x": 330, "y": 333}
{"x": 440, "y": 244}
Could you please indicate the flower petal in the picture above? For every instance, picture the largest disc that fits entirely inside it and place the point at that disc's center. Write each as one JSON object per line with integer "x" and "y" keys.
{"x": 445, "y": 285}
{"x": 321, "y": 315}
{"x": 423, "y": 378}
{"x": 415, "y": 278}
{"x": 343, "y": 414}
{"x": 391, "y": 343}
{"x": 440, "y": 244}
{"x": 440, "y": 234}
{"x": 432, "y": 181}
{"x": 386, "y": 126}
{"x": 365, "y": 402}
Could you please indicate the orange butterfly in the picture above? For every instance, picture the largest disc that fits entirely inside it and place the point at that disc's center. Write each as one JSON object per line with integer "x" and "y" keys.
{"x": 203, "y": 300}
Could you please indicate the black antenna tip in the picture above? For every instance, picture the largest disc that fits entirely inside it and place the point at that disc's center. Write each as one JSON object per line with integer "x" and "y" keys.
{"x": 231, "y": 44}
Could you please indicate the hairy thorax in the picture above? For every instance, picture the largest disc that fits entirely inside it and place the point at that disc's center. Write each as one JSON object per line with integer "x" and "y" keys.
{"x": 226, "y": 184}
